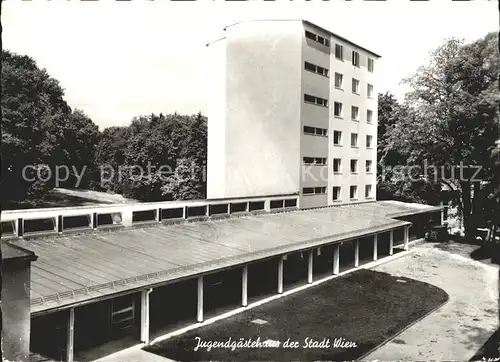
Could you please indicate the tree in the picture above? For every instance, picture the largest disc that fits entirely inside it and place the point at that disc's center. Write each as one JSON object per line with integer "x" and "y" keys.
{"x": 393, "y": 172}
{"x": 30, "y": 100}
{"x": 157, "y": 145}
{"x": 187, "y": 182}
{"x": 453, "y": 121}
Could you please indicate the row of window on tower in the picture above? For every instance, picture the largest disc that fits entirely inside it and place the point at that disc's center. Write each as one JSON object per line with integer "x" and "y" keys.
{"x": 339, "y": 83}
{"x": 339, "y": 51}
{"x": 338, "y": 108}
{"x": 337, "y": 192}
{"x": 337, "y": 164}
{"x": 337, "y": 136}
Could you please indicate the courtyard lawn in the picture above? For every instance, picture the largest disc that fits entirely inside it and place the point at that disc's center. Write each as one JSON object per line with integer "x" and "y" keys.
{"x": 360, "y": 310}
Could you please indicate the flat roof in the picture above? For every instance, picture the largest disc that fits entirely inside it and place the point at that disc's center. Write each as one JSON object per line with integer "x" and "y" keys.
{"x": 79, "y": 268}
{"x": 306, "y": 22}
{"x": 341, "y": 38}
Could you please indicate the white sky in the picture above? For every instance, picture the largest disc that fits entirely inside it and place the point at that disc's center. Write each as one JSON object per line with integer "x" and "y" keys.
{"x": 117, "y": 60}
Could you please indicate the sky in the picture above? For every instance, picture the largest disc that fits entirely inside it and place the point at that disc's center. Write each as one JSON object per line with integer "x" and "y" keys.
{"x": 119, "y": 60}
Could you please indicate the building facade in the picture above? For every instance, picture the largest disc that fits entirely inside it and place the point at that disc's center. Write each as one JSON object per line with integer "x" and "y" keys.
{"x": 293, "y": 110}
{"x": 16, "y": 280}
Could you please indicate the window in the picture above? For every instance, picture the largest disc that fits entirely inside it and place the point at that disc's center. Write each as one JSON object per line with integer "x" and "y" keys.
{"x": 354, "y": 140}
{"x": 369, "y": 116}
{"x": 368, "y": 191}
{"x": 317, "y": 38}
{"x": 368, "y": 166}
{"x": 309, "y": 130}
{"x": 369, "y": 141}
{"x": 315, "y": 100}
{"x": 354, "y": 166}
{"x": 355, "y": 58}
{"x": 354, "y": 113}
{"x": 369, "y": 91}
{"x": 355, "y": 86}
{"x": 337, "y": 138}
{"x": 337, "y": 110}
{"x": 316, "y": 69}
{"x": 323, "y": 41}
{"x": 353, "y": 194}
{"x": 311, "y": 35}
{"x": 314, "y": 161}
{"x": 370, "y": 65}
{"x": 322, "y": 71}
{"x": 339, "y": 51}
{"x": 315, "y": 131}
{"x": 320, "y": 190}
{"x": 310, "y": 67}
{"x": 314, "y": 190}
{"x": 338, "y": 80}
{"x": 337, "y": 162}
{"x": 336, "y": 193}
{"x": 308, "y": 190}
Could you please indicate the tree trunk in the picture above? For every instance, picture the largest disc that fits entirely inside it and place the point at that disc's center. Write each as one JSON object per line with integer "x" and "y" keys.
{"x": 470, "y": 232}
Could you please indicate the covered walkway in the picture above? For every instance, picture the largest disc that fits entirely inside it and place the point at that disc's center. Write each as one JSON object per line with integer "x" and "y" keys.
{"x": 119, "y": 275}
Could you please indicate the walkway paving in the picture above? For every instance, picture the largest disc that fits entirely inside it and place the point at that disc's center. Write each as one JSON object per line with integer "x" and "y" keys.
{"x": 457, "y": 330}
{"x": 133, "y": 354}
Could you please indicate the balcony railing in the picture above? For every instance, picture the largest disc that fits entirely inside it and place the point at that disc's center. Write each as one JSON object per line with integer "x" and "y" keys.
{"x": 36, "y": 222}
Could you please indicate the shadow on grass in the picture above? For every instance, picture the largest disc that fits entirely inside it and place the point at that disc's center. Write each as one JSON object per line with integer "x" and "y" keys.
{"x": 491, "y": 349}
{"x": 365, "y": 308}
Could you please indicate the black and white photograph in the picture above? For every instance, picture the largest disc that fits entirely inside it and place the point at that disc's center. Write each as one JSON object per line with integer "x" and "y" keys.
{"x": 216, "y": 180}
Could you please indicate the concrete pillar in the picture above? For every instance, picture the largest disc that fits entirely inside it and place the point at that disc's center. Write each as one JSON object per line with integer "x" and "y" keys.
{"x": 356, "y": 253}
{"x": 200, "y": 299}
{"x": 145, "y": 315}
{"x": 310, "y": 266}
{"x": 158, "y": 214}
{"x": 70, "y": 340}
{"x": 375, "y": 247}
{"x": 407, "y": 237}
{"x": 336, "y": 259}
{"x": 391, "y": 242}
{"x": 280, "y": 275}
{"x": 244, "y": 286}
{"x": 127, "y": 217}
{"x": 267, "y": 205}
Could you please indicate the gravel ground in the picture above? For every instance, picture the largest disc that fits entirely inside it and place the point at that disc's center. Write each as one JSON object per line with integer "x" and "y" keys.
{"x": 457, "y": 330}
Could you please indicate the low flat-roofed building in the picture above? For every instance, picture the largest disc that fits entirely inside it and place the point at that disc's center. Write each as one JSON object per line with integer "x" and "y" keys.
{"x": 96, "y": 284}
{"x": 16, "y": 263}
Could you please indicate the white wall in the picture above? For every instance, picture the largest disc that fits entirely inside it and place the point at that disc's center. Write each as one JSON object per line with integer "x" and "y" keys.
{"x": 262, "y": 144}
{"x": 216, "y": 143}
{"x": 16, "y": 311}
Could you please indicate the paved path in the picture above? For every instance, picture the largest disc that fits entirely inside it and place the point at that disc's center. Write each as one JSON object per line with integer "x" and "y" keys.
{"x": 133, "y": 354}
{"x": 458, "y": 329}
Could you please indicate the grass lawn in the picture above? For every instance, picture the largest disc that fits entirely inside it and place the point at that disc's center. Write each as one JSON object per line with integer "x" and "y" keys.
{"x": 364, "y": 307}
